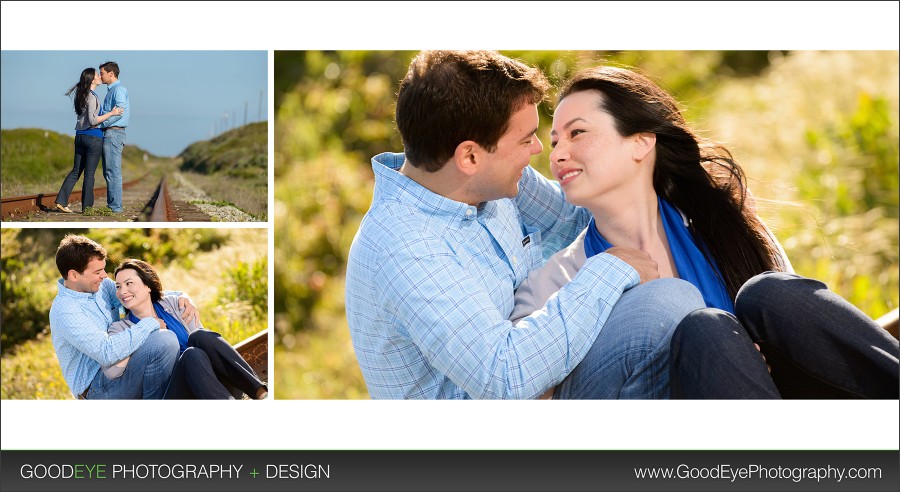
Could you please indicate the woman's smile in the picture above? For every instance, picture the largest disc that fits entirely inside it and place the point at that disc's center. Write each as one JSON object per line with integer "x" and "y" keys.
{"x": 565, "y": 176}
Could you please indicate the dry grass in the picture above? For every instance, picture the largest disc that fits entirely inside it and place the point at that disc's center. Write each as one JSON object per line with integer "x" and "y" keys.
{"x": 248, "y": 194}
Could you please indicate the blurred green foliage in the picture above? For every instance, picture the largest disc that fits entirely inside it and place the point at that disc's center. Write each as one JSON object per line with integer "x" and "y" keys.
{"x": 334, "y": 111}
{"x": 237, "y": 311}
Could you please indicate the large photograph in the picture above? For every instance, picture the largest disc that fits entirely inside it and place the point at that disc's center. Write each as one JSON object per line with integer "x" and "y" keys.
{"x": 121, "y": 136}
{"x": 553, "y": 224}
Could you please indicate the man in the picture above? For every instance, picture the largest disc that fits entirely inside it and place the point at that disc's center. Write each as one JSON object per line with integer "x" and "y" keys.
{"x": 434, "y": 265}
{"x": 114, "y": 134}
{"x": 83, "y": 309}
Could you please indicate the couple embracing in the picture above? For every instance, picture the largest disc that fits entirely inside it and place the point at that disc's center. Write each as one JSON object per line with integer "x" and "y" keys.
{"x": 158, "y": 350}
{"x": 643, "y": 271}
{"x": 99, "y": 130}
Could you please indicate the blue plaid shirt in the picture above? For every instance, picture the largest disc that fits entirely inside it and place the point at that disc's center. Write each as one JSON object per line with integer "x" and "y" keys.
{"x": 430, "y": 285}
{"x": 116, "y": 95}
{"x": 78, "y": 324}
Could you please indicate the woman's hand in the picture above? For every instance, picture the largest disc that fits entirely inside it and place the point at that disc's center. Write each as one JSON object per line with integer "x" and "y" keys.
{"x": 116, "y": 111}
{"x": 162, "y": 324}
{"x": 640, "y": 260}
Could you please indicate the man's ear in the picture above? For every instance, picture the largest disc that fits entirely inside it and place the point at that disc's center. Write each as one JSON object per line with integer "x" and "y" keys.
{"x": 643, "y": 143}
{"x": 467, "y": 157}
{"x": 72, "y": 275}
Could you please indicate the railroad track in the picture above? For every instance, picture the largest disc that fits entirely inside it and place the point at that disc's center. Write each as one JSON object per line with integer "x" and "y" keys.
{"x": 142, "y": 200}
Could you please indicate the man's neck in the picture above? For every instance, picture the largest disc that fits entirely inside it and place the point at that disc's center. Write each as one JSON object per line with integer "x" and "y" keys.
{"x": 447, "y": 182}
{"x": 69, "y": 285}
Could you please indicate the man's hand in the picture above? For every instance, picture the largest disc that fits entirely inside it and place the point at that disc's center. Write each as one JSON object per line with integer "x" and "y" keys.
{"x": 188, "y": 309}
{"x": 639, "y": 260}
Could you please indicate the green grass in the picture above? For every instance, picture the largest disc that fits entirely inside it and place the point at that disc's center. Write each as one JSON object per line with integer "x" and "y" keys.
{"x": 98, "y": 212}
{"x": 241, "y": 152}
{"x": 36, "y": 161}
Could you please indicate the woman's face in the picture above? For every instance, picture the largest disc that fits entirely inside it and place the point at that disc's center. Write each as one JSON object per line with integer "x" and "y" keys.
{"x": 96, "y": 80}
{"x": 589, "y": 157}
{"x": 130, "y": 289}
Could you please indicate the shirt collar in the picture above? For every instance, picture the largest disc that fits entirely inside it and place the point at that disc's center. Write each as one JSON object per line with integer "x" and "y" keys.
{"x": 67, "y": 292}
{"x": 110, "y": 86}
{"x": 391, "y": 185}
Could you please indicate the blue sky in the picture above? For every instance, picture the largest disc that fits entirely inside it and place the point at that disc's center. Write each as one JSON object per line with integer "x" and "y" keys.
{"x": 177, "y": 97}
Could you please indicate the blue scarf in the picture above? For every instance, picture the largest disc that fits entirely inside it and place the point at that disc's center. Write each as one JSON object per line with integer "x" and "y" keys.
{"x": 172, "y": 323}
{"x": 692, "y": 265}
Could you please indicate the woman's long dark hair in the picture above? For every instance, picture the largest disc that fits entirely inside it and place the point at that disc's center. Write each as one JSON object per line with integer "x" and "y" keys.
{"x": 82, "y": 89}
{"x": 700, "y": 178}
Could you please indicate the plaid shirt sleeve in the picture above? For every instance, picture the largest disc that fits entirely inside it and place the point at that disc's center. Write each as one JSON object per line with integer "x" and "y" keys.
{"x": 462, "y": 334}
{"x": 87, "y": 333}
{"x": 542, "y": 205}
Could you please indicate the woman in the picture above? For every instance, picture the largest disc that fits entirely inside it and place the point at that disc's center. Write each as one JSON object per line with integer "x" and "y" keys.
{"x": 88, "y": 140}
{"x": 622, "y": 150}
{"x": 208, "y": 366}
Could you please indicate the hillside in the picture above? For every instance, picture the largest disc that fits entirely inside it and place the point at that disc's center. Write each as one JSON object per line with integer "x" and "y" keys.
{"x": 242, "y": 152}
{"x": 37, "y": 160}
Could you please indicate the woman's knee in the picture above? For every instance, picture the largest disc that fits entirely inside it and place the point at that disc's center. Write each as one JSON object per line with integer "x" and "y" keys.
{"x": 202, "y": 338}
{"x": 771, "y": 289}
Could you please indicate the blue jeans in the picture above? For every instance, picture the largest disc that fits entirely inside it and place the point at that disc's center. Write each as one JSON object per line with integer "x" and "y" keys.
{"x": 817, "y": 344}
{"x": 147, "y": 374}
{"x": 113, "y": 144}
{"x": 210, "y": 369}
{"x": 630, "y": 357}
{"x": 87, "y": 155}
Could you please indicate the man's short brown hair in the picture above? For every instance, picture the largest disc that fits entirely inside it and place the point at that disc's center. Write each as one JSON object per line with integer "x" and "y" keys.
{"x": 448, "y": 97}
{"x": 75, "y": 252}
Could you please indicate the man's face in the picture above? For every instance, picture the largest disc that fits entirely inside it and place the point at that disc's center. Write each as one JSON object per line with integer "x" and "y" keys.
{"x": 88, "y": 281}
{"x": 106, "y": 77}
{"x": 500, "y": 175}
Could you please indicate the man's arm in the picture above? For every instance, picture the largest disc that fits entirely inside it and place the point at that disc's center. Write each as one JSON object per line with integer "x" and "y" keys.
{"x": 87, "y": 335}
{"x": 542, "y": 205}
{"x": 462, "y": 334}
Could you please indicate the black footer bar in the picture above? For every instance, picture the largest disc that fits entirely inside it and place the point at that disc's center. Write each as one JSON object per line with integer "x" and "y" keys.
{"x": 520, "y": 471}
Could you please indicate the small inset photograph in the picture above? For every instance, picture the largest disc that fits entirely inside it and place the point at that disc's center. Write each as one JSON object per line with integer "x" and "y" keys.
{"x": 134, "y": 136}
{"x": 128, "y": 313}
{"x": 586, "y": 224}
